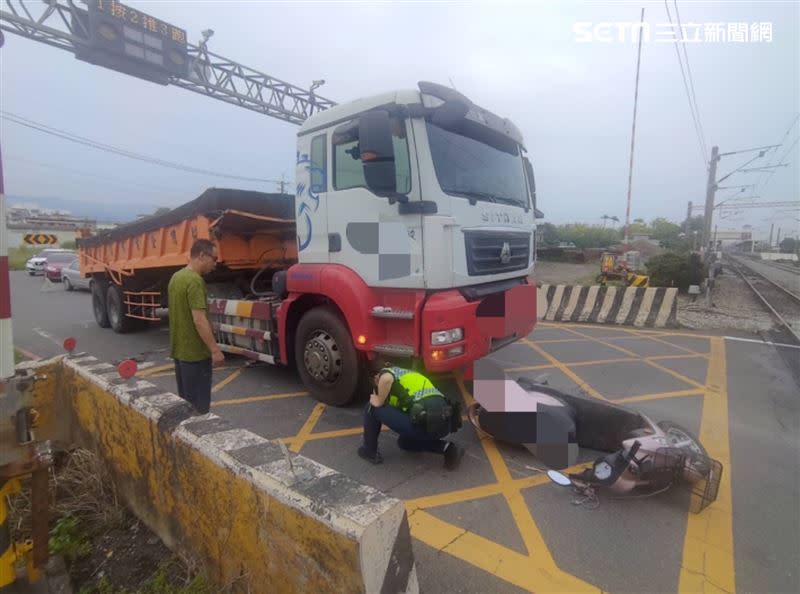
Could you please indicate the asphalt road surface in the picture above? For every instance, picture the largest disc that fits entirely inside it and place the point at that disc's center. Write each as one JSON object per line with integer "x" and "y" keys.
{"x": 497, "y": 524}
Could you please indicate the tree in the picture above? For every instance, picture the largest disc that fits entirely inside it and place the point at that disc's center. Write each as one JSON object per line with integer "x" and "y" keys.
{"x": 666, "y": 232}
{"x": 548, "y": 233}
{"x": 675, "y": 270}
{"x": 161, "y": 210}
{"x": 789, "y": 245}
{"x": 638, "y": 227}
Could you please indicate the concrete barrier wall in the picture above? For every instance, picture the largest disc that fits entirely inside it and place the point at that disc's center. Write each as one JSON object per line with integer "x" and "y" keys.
{"x": 653, "y": 307}
{"x": 256, "y": 518}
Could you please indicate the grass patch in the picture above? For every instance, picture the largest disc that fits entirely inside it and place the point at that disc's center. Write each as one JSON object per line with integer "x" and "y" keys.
{"x": 106, "y": 549}
{"x": 69, "y": 539}
{"x": 19, "y": 255}
{"x": 161, "y": 582}
{"x": 19, "y": 356}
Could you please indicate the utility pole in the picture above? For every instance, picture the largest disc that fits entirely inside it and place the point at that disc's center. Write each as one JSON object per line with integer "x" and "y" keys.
{"x": 688, "y": 215}
{"x": 711, "y": 189}
{"x": 778, "y": 240}
{"x": 771, "y": 229}
{"x": 633, "y": 132}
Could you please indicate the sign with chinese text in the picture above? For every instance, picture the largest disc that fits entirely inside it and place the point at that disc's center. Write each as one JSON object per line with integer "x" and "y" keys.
{"x": 139, "y": 41}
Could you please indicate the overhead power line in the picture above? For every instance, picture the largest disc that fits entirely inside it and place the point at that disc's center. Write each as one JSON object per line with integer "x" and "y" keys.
{"x": 19, "y": 120}
{"x": 765, "y": 178}
{"x": 692, "y": 105}
{"x": 691, "y": 81}
{"x": 113, "y": 180}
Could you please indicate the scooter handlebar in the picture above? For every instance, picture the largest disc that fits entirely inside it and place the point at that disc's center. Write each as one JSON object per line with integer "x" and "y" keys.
{"x": 634, "y": 449}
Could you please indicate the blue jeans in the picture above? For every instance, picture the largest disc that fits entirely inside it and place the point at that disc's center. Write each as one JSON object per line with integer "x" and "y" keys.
{"x": 411, "y": 438}
{"x": 194, "y": 383}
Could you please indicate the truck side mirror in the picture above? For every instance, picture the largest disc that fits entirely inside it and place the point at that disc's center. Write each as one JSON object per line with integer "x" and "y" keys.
{"x": 531, "y": 180}
{"x": 377, "y": 152}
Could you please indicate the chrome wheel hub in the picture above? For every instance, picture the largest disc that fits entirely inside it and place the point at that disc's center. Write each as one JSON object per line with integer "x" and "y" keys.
{"x": 322, "y": 357}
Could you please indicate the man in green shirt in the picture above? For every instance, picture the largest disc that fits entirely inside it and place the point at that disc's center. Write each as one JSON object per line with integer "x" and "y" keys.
{"x": 190, "y": 335}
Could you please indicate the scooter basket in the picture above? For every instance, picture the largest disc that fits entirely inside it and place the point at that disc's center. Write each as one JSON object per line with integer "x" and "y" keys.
{"x": 667, "y": 466}
{"x": 700, "y": 475}
{"x": 703, "y": 492}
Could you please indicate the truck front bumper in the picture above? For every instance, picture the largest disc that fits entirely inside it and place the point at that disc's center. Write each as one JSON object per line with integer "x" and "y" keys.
{"x": 489, "y": 323}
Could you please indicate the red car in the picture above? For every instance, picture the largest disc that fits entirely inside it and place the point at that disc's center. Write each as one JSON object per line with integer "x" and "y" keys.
{"x": 55, "y": 262}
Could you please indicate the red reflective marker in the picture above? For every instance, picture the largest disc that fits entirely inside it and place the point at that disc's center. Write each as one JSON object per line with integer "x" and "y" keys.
{"x": 127, "y": 369}
{"x": 70, "y": 344}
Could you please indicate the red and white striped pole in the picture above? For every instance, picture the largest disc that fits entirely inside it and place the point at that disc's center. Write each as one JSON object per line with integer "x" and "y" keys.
{"x": 6, "y": 334}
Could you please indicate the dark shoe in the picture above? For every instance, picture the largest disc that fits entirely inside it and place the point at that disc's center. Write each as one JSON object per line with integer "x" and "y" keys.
{"x": 452, "y": 455}
{"x": 374, "y": 457}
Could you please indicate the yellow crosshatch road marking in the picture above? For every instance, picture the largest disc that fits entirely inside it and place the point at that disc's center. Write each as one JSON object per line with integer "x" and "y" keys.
{"x": 217, "y": 387}
{"x": 708, "y": 563}
{"x": 708, "y": 545}
{"x": 157, "y": 369}
{"x": 647, "y": 360}
{"x": 635, "y": 331}
{"x": 311, "y": 422}
{"x": 536, "y": 571}
{"x": 249, "y": 399}
{"x": 565, "y": 370}
{"x": 659, "y": 396}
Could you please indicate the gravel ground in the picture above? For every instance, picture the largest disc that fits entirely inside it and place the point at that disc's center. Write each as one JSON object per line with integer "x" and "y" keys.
{"x": 734, "y": 307}
{"x": 565, "y": 273}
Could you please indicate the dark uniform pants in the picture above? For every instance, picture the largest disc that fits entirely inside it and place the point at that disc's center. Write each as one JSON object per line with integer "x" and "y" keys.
{"x": 194, "y": 383}
{"x": 411, "y": 438}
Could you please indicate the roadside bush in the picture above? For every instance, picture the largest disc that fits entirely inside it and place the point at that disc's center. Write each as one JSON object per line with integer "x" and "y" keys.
{"x": 19, "y": 255}
{"x": 676, "y": 270}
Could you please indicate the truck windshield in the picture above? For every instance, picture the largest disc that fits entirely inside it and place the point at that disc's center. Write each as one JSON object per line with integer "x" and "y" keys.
{"x": 475, "y": 170}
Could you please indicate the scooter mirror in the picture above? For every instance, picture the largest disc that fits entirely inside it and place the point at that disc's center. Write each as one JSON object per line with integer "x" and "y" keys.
{"x": 559, "y": 478}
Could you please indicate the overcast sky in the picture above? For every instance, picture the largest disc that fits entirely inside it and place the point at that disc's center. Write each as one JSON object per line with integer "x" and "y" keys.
{"x": 573, "y": 101}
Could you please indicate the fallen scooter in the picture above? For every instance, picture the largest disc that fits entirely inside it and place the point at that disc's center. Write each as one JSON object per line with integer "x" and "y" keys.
{"x": 644, "y": 457}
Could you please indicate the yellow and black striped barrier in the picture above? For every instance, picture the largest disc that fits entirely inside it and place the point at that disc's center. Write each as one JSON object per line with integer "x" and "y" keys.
{"x": 650, "y": 307}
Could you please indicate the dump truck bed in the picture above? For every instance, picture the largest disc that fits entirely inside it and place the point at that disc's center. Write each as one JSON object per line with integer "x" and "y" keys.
{"x": 249, "y": 228}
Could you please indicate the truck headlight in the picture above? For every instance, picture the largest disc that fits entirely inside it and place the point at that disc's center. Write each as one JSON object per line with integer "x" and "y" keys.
{"x": 447, "y": 336}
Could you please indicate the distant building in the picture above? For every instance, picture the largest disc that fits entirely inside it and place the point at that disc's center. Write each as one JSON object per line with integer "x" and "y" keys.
{"x": 30, "y": 220}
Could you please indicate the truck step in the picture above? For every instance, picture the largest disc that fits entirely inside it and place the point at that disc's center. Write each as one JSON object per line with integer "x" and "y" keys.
{"x": 395, "y": 350}
{"x": 388, "y": 312}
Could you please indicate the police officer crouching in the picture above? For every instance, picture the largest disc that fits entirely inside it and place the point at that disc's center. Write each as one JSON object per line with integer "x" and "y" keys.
{"x": 410, "y": 405}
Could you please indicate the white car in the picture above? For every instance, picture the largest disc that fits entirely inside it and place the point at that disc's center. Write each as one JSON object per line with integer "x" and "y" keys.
{"x": 36, "y": 264}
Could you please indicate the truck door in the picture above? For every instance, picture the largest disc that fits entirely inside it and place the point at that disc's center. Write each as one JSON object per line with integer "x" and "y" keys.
{"x": 367, "y": 232}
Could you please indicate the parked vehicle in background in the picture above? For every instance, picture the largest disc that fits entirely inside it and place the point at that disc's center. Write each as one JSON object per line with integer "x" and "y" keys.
{"x": 72, "y": 279}
{"x": 55, "y": 262}
{"x": 36, "y": 264}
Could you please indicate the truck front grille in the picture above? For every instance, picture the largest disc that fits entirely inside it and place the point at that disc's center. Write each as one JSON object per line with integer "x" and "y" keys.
{"x": 485, "y": 249}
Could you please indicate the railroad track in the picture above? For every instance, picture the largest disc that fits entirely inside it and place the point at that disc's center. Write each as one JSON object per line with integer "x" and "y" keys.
{"x": 782, "y": 302}
{"x": 787, "y": 267}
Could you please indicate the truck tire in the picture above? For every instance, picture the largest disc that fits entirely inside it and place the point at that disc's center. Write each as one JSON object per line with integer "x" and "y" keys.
{"x": 327, "y": 361}
{"x": 99, "y": 305}
{"x": 115, "y": 308}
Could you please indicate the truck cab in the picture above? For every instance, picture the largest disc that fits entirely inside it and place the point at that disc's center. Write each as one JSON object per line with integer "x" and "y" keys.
{"x": 415, "y": 189}
{"x": 418, "y": 206}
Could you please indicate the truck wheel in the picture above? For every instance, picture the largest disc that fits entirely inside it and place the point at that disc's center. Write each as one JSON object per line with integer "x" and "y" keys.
{"x": 99, "y": 305}
{"x": 327, "y": 361}
{"x": 115, "y": 307}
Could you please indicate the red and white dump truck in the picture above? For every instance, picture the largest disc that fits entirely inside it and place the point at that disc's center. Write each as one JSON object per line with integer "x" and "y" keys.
{"x": 410, "y": 236}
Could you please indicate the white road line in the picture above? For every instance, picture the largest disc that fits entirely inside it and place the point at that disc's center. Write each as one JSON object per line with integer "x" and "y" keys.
{"x": 764, "y": 342}
{"x": 49, "y": 337}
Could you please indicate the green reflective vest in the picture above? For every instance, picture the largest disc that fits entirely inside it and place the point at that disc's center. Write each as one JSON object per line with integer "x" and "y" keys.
{"x": 408, "y": 387}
